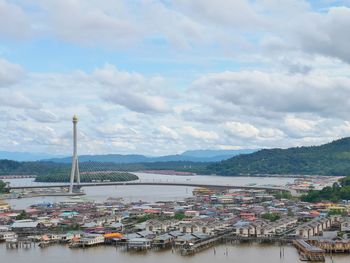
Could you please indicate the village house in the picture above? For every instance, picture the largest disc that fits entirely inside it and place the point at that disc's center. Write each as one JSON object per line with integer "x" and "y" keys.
{"x": 159, "y": 227}
{"x": 88, "y": 240}
{"x": 313, "y": 228}
{"x": 26, "y": 225}
{"x": 4, "y": 207}
{"x": 345, "y": 224}
{"x": 7, "y": 235}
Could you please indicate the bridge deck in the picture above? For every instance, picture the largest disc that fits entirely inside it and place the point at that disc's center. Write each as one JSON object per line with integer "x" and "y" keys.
{"x": 151, "y": 183}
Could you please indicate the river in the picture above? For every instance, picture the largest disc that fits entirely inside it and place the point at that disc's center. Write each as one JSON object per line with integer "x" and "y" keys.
{"x": 244, "y": 253}
{"x": 146, "y": 192}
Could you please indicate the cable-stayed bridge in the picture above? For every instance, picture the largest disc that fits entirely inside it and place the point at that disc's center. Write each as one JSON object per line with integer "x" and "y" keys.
{"x": 146, "y": 182}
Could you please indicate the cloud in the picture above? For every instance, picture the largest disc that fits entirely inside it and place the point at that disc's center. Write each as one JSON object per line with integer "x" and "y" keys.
{"x": 205, "y": 74}
{"x": 249, "y": 131}
{"x": 15, "y": 99}
{"x": 238, "y": 15}
{"x": 14, "y": 22}
{"x": 89, "y": 23}
{"x": 44, "y": 116}
{"x": 115, "y": 131}
{"x": 10, "y": 73}
{"x": 259, "y": 92}
{"x": 244, "y": 130}
{"x": 200, "y": 134}
{"x": 325, "y": 34}
{"x": 167, "y": 133}
{"x": 131, "y": 90}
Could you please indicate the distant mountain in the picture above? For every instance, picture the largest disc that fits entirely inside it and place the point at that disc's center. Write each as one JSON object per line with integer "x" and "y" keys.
{"x": 216, "y": 153}
{"x": 328, "y": 159}
{"x": 190, "y": 156}
{"x": 25, "y": 156}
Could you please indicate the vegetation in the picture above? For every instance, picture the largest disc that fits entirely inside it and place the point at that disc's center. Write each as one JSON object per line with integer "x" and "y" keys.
{"x": 8, "y": 167}
{"x": 22, "y": 215}
{"x": 328, "y": 159}
{"x": 144, "y": 218}
{"x": 179, "y": 216}
{"x": 2, "y": 187}
{"x": 333, "y": 193}
{"x": 271, "y": 216}
{"x": 284, "y": 195}
{"x": 87, "y": 177}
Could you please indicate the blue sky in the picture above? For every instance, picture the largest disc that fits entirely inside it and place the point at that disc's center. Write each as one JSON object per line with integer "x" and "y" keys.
{"x": 161, "y": 77}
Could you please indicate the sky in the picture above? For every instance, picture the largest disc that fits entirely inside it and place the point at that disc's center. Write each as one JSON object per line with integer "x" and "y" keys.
{"x": 160, "y": 77}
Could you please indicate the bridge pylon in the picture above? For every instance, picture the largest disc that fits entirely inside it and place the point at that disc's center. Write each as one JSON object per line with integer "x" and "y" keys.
{"x": 75, "y": 164}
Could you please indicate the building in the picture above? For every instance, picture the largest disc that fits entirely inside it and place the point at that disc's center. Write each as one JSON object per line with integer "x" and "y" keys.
{"x": 4, "y": 207}
{"x": 345, "y": 224}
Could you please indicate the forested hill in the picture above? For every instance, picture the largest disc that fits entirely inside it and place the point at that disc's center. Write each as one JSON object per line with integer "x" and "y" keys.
{"x": 328, "y": 159}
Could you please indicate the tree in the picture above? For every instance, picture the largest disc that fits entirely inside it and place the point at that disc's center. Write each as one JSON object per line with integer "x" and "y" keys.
{"x": 2, "y": 187}
{"x": 271, "y": 216}
{"x": 333, "y": 193}
{"x": 22, "y": 215}
{"x": 345, "y": 181}
{"x": 179, "y": 216}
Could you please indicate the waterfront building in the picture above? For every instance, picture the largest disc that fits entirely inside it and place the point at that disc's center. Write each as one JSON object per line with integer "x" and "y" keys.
{"x": 313, "y": 228}
{"x": 25, "y": 224}
{"x": 139, "y": 243}
{"x": 88, "y": 240}
{"x": 7, "y": 235}
{"x": 158, "y": 226}
{"x": 345, "y": 224}
{"x": 4, "y": 207}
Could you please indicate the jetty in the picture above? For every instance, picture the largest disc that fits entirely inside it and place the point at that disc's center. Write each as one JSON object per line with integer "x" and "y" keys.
{"x": 332, "y": 246}
{"x": 19, "y": 243}
{"x": 309, "y": 252}
{"x": 192, "y": 248}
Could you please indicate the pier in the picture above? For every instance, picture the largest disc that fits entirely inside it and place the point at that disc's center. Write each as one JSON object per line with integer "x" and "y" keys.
{"x": 19, "y": 243}
{"x": 332, "y": 246}
{"x": 192, "y": 248}
{"x": 309, "y": 252}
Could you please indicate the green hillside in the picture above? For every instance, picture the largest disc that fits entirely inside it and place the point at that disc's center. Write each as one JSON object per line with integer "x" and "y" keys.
{"x": 328, "y": 159}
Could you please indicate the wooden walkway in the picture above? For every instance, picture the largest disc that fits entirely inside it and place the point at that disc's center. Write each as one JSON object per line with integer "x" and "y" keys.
{"x": 309, "y": 252}
{"x": 189, "y": 249}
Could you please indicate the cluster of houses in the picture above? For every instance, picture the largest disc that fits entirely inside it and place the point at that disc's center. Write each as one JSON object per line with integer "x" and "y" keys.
{"x": 141, "y": 225}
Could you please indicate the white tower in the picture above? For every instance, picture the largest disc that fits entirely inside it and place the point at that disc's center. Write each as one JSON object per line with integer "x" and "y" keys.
{"x": 75, "y": 167}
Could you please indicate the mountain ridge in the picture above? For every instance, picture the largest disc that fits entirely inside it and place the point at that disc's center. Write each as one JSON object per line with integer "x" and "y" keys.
{"x": 332, "y": 158}
{"x": 191, "y": 156}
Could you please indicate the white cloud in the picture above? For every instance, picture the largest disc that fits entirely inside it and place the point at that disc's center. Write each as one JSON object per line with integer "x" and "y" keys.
{"x": 238, "y": 14}
{"x": 244, "y": 130}
{"x": 259, "y": 92}
{"x": 299, "y": 124}
{"x": 131, "y": 90}
{"x": 10, "y": 73}
{"x": 14, "y": 22}
{"x": 200, "y": 134}
{"x": 15, "y": 99}
{"x": 168, "y": 133}
{"x": 41, "y": 115}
